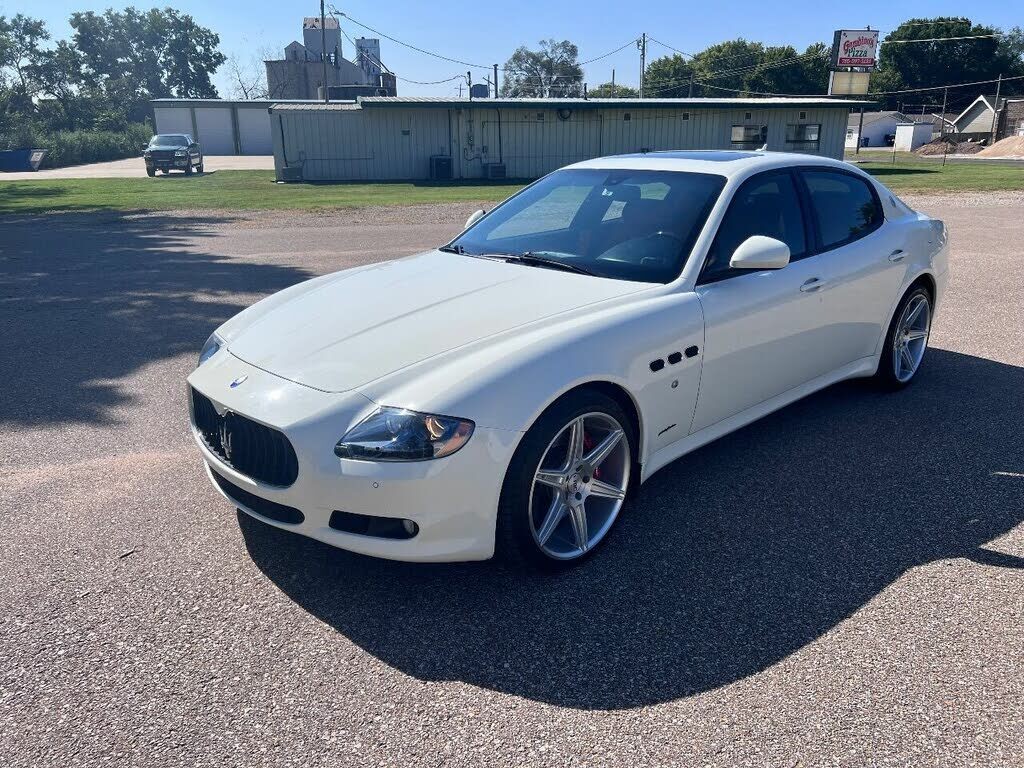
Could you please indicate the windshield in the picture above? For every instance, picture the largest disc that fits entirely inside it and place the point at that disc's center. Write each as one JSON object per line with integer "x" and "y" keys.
{"x": 624, "y": 224}
{"x": 169, "y": 140}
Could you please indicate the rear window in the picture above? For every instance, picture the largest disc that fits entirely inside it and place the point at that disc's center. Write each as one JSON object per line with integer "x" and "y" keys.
{"x": 844, "y": 206}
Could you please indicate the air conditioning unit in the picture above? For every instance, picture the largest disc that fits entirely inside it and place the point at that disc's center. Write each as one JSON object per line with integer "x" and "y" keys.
{"x": 440, "y": 168}
{"x": 494, "y": 170}
{"x": 291, "y": 173}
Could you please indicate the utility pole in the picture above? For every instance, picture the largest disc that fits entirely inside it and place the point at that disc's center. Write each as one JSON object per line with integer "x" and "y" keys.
{"x": 860, "y": 131}
{"x": 495, "y": 81}
{"x": 469, "y": 84}
{"x": 642, "y": 45}
{"x": 613, "y": 83}
{"x": 942, "y": 122}
{"x": 689, "y": 93}
{"x": 323, "y": 48}
{"x": 995, "y": 109}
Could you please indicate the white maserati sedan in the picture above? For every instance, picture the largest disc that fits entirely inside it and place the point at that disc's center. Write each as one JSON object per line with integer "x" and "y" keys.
{"x": 504, "y": 393}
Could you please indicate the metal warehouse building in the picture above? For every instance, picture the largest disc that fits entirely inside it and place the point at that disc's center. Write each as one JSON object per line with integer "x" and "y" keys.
{"x": 397, "y": 138}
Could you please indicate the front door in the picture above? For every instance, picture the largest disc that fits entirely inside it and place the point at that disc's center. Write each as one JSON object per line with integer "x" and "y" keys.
{"x": 765, "y": 330}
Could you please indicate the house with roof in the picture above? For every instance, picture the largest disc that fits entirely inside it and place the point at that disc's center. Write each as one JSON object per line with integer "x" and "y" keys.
{"x": 879, "y": 128}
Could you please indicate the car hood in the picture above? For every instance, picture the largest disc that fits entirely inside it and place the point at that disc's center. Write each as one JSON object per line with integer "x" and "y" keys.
{"x": 355, "y": 326}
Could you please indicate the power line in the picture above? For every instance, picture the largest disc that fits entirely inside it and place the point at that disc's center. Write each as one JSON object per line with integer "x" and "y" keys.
{"x": 610, "y": 53}
{"x": 410, "y": 45}
{"x": 939, "y": 39}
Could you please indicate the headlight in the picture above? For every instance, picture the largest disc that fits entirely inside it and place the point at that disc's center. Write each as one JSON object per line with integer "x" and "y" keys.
{"x": 180, "y": 153}
{"x": 210, "y": 348}
{"x": 394, "y": 434}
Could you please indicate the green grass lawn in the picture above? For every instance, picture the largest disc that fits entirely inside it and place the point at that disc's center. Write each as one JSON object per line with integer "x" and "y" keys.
{"x": 255, "y": 190}
{"x": 230, "y": 190}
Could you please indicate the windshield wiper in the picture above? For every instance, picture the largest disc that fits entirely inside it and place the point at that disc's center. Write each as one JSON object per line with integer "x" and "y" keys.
{"x": 531, "y": 259}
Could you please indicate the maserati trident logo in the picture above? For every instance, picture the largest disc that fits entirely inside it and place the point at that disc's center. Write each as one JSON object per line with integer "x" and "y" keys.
{"x": 238, "y": 381}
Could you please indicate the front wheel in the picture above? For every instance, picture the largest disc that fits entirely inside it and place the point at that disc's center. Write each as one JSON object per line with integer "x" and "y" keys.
{"x": 188, "y": 168}
{"x": 151, "y": 172}
{"x": 907, "y": 340}
{"x": 566, "y": 482}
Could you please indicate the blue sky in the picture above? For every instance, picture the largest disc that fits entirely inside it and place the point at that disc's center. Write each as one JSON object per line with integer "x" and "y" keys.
{"x": 487, "y": 32}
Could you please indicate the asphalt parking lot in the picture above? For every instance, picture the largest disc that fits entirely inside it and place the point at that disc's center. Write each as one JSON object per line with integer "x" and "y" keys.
{"x": 841, "y": 583}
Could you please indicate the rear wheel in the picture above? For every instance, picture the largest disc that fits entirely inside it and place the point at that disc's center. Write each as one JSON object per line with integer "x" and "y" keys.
{"x": 151, "y": 172}
{"x": 566, "y": 483}
{"x": 907, "y": 340}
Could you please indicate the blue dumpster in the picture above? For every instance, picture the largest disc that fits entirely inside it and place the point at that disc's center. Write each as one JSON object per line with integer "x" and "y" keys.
{"x": 21, "y": 159}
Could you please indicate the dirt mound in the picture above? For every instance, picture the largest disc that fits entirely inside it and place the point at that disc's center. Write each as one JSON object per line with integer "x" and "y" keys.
{"x": 1011, "y": 146}
{"x": 947, "y": 146}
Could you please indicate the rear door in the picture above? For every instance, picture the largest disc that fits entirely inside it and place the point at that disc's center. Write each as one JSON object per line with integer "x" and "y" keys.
{"x": 765, "y": 330}
{"x": 863, "y": 260}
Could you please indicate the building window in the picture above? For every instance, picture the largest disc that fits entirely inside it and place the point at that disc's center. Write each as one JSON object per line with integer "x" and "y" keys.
{"x": 747, "y": 115}
{"x": 803, "y": 115}
{"x": 540, "y": 115}
{"x": 749, "y": 136}
{"x": 803, "y": 136}
{"x": 626, "y": 116}
{"x": 684, "y": 116}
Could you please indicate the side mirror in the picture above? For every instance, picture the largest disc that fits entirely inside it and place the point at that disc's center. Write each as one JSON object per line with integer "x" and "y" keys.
{"x": 760, "y": 252}
{"x": 474, "y": 218}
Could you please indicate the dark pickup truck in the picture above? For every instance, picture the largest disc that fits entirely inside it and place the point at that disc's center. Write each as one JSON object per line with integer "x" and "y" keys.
{"x": 173, "y": 152}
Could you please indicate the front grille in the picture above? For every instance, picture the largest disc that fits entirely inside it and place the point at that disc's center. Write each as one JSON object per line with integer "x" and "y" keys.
{"x": 254, "y": 450}
{"x": 166, "y": 154}
{"x": 261, "y": 506}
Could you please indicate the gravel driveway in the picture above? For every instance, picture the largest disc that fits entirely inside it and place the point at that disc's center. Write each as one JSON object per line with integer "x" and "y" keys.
{"x": 841, "y": 583}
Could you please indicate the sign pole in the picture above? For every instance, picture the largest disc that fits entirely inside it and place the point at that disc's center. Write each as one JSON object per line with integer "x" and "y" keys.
{"x": 860, "y": 130}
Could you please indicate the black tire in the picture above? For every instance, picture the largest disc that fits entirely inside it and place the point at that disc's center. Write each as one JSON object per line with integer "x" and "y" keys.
{"x": 151, "y": 172}
{"x": 515, "y": 544}
{"x": 188, "y": 168}
{"x": 200, "y": 168}
{"x": 887, "y": 377}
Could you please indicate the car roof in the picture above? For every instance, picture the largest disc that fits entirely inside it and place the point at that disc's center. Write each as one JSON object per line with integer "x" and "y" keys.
{"x": 720, "y": 162}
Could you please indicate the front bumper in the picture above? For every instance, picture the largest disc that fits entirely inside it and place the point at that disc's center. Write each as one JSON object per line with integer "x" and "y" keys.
{"x": 167, "y": 165}
{"x": 453, "y": 500}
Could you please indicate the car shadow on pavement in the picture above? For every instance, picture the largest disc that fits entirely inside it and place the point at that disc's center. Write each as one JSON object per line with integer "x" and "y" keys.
{"x": 726, "y": 561}
{"x": 87, "y": 299}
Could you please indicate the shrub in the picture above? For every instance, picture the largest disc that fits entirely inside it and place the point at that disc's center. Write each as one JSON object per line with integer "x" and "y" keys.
{"x": 77, "y": 147}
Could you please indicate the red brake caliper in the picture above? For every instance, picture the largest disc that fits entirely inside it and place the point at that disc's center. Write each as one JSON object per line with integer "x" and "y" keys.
{"x": 588, "y": 443}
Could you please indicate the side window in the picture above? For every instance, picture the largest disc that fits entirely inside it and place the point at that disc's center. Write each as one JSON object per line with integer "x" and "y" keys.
{"x": 765, "y": 205}
{"x": 554, "y": 211}
{"x": 749, "y": 136}
{"x": 845, "y": 209}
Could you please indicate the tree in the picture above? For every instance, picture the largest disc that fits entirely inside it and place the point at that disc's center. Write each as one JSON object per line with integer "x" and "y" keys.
{"x": 606, "y": 91}
{"x": 937, "y": 62}
{"x": 133, "y": 56}
{"x": 248, "y": 79}
{"x": 735, "y": 67}
{"x": 20, "y": 37}
{"x": 550, "y": 71}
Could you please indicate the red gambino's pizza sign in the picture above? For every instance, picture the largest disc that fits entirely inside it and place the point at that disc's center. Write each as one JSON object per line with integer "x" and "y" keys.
{"x": 855, "y": 48}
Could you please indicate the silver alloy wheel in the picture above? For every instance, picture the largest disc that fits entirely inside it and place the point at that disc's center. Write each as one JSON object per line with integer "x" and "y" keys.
{"x": 579, "y": 486}
{"x": 911, "y": 338}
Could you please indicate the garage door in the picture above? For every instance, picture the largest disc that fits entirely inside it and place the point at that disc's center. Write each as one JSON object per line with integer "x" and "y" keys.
{"x": 215, "y": 133}
{"x": 254, "y": 131}
{"x": 173, "y": 120}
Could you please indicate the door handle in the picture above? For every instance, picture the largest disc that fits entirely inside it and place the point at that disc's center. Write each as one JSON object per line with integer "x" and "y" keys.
{"x": 814, "y": 284}
{"x": 897, "y": 255}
